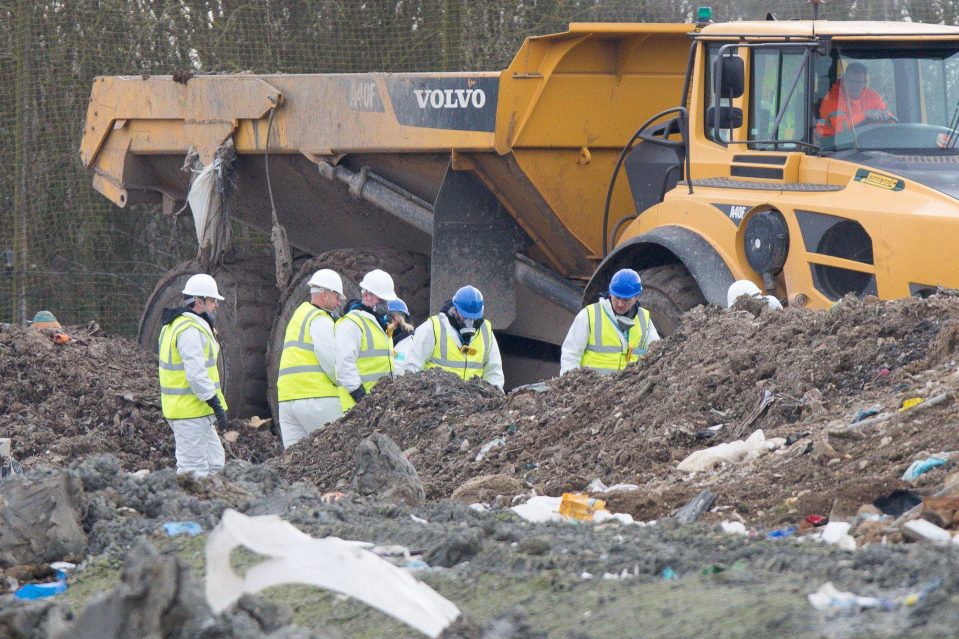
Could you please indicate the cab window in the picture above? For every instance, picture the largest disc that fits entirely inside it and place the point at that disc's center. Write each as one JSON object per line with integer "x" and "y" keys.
{"x": 772, "y": 75}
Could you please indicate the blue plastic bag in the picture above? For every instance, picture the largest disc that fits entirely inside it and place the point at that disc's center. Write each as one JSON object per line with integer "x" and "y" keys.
{"x": 781, "y": 533}
{"x": 922, "y": 466}
{"x": 174, "y": 528}
{"x": 39, "y": 591}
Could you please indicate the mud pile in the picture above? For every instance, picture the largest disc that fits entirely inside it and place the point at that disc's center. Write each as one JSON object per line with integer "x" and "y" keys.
{"x": 91, "y": 395}
{"x": 815, "y": 369}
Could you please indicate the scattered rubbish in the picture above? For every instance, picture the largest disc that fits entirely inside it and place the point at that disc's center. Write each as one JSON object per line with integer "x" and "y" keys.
{"x": 669, "y": 574}
{"x": 941, "y": 510}
{"x": 539, "y": 509}
{"x": 829, "y": 598}
{"x": 695, "y": 507}
{"x": 257, "y": 422}
{"x": 416, "y": 564}
{"x": 781, "y": 533}
{"x": 48, "y": 589}
{"x": 580, "y": 506}
{"x": 914, "y": 598}
{"x": 597, "y": 486}
{"x": 394, "y": 550}
{"x": 910, "y": 403}
{"x": 60, "y": 338}
{"x": 922, "y": 466}
{"x": 418, "y": 520}
{"x": 716, "y": 428}
{"x": 44, "y": 319}
{"x": 836, "y": 533}
{"x": 712, "y": 569}
{"x": 898, "y": 502}
{"x": 585, "y": 576}
{"x": 734, "y": 528}
{"x": 478, "y": 507}
{"x": 732, "y": 452}
{"x": 817, "y": 520}
{"x": 884, "y": 372}
{"x": 175, "y": 528}
{"x": 705, "y": 434}
{"x": 488, "y": 446}
{"x": 866, "y": 412}
{"x": 140, "y": 474}
{"x": 332, "y": 497}
{"x": 922, "y": 530}
{"x": 345, "y": 567}
{"x": 795, "y": 437}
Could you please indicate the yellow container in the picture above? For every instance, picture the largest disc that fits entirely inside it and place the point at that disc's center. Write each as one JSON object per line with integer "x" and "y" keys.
{"x": 580, "y": 506}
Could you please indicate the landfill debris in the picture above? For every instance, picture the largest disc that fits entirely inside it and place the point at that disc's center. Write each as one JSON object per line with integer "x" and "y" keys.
{"x": 914, "y": 598}
{"x": 781, "y": 533}
{"x": 176, "y": 528}
{"x": 346, "y": 567}
{"x": 816, "y": 520}
{"x": 866, "y": 412}
{"x": 488, "y": 446}
{"x": 734, "y": 528}
{"x": 912, "y": 402}
{"x": 898, "y": 502}
{"x": 836, "y": 533}
{"x": 695, "y": 507}
{"x": 580, "y": 506}
{"x": 381, "y": 469}
{"x": 922, "y": 466}
{"x": 669, "y": 574}
{"x": 735, "y": 452}
{"x": 923, "y": 530}
{"x": 47, "y": 589}
{"x": 829, "y": 598}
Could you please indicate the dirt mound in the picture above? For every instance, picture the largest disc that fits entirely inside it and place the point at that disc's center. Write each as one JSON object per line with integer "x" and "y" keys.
{"x": 814, "y": 369}
{"x": 91, "y": 395}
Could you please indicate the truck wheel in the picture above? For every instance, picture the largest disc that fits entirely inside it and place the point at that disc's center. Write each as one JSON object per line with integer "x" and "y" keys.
{"x": 668, "y": 292}
{"x": 243, "y": 323}
{"x": 410, "y": 272}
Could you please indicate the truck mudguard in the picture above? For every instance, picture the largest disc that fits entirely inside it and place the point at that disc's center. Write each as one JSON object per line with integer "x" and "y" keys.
{"x": 654, "y": 248}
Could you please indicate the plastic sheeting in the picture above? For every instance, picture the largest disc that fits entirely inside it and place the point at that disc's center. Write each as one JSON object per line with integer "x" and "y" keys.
{"x": 346, "y": 567}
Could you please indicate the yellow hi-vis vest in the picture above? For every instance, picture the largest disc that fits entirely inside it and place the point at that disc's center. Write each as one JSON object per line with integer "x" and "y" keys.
{"x": 466, "y": 361}
{"x": 176, "y": 398}
{"x": 300, "y": 375}
{"x": 605, "y": 350}
{"x": 375, "y": 358}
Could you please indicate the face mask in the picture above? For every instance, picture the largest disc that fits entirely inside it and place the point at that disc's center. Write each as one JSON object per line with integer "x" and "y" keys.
{"x": 469, "y": 327}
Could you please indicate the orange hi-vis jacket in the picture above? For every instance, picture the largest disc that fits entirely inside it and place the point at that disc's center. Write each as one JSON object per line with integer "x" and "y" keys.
{"x": 838, "y": 111}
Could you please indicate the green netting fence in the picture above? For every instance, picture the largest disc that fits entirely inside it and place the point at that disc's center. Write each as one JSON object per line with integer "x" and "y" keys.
{"x": 63, "y": 247}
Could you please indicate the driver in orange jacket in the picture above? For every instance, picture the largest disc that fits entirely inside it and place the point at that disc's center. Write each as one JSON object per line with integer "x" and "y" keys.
{"x": 851, "y": 103}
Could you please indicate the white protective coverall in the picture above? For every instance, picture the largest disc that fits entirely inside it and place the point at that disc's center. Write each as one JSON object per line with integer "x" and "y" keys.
{"x": 300, "y": 417}
{"x": 402, "y": 350}
{"x": 575, "y": 343}
{"x": 198, "y": 447}
{"x": 424, "y": 342}
{"x": 347, "y": 342}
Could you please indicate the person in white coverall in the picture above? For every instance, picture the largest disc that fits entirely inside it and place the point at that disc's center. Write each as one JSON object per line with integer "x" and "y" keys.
{"x": 364, "y": 352}
{"x": 612, "y": 333}
{"x": 190, "y": 393}
{"x": 307, "y": 396}
{"x": 458, "y": 340}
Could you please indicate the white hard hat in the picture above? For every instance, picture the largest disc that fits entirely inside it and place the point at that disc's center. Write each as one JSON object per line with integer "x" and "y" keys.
{"x": 379, "y": 283}
{"x": 328, "y": 279}
{"x": 740, "y": 288}
{"x": 202, "y": 285}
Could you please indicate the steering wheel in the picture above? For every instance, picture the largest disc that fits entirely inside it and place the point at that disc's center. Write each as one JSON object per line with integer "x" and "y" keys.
{"x": 899, "y": 135}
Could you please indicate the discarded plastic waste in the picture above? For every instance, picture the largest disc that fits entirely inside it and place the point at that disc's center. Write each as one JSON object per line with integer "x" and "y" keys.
{"x": 914, "y": 598}
{"x": 910, "y": 403}
{"x": 174, "y": 528}
{"x": 817, "y": 520}
{"x": 345, "y": 567}
{"x": 731, "y": 452}
{"x": 828, "y": 598}
{"x": 416, "y": 564}
{"x": 40, "y": 591}
{"x": 733, "y": 527}
{"x": 837, "y": 534}
{"x": 580, "y": 506}
{"x": 488, "y": 446}
{"x": 669, "y": 574}
{"x": 922, "y": 530}
{"x": 897, "y": 502}
{"x": 695, "y": 507}
{"x": 864, "y": 413}
{"x": 712, "y": 569}
{"x": 539, "y": 509}
{"x": 922, "y": 466}
{"x": 781, "y": 533}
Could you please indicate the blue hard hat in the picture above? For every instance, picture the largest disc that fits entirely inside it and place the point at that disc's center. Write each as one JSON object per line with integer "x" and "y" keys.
{"x": 397, "y": 306}
{"x": 468, "y": 302}
{"x": 625, "y": 284}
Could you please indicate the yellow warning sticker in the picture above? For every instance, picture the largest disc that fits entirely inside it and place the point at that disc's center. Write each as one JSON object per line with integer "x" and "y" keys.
{"x": 878, "y": 179}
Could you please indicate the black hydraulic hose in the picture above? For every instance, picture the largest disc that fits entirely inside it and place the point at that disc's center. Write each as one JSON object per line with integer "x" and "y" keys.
{"x": 622, "y": 158}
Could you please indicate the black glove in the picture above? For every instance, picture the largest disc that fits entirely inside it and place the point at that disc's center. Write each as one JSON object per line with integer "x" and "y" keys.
{"x": 214, "y": 403}
{"x": 358, "y": 393}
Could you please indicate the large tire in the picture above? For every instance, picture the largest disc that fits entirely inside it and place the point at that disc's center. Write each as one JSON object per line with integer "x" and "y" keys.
{"x": 668, "y": 292}
{"x": 243, "y": 322}
{"x": 410, "y": 272}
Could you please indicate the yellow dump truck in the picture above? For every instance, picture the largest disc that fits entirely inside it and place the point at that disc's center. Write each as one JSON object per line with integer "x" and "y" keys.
{"x": 696, "y": 154}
